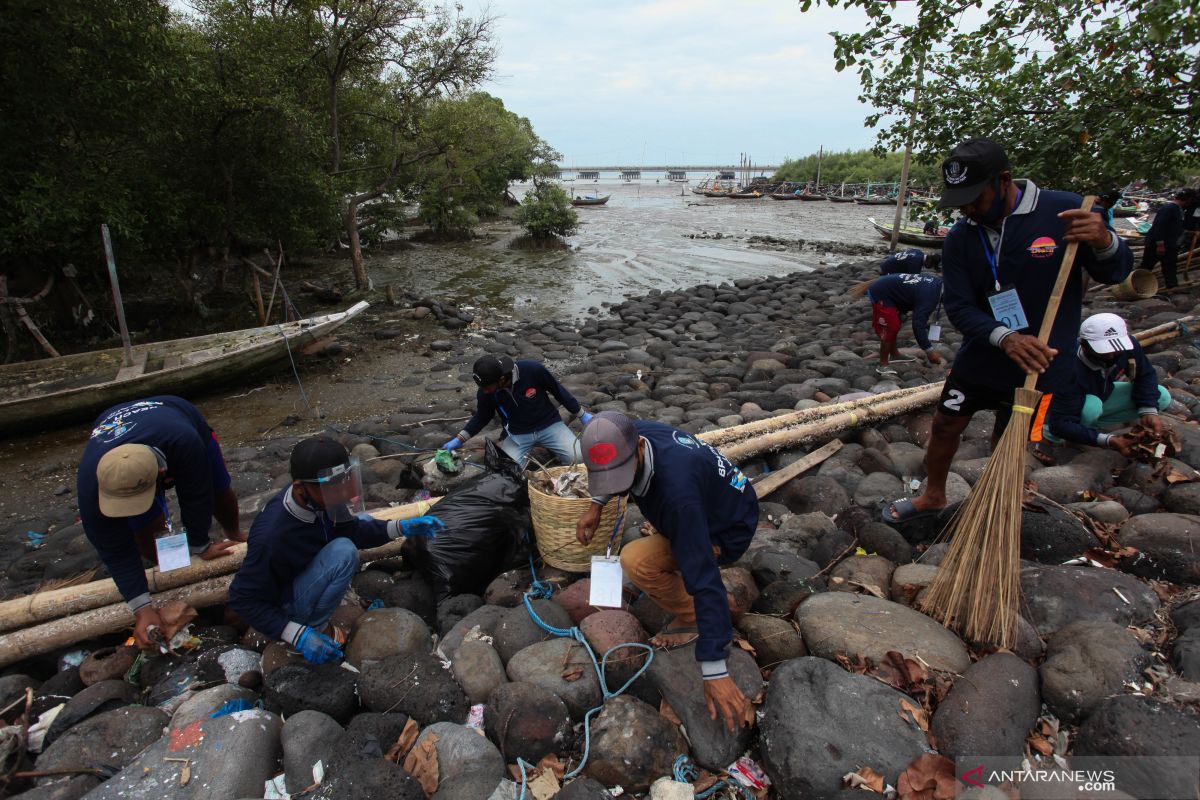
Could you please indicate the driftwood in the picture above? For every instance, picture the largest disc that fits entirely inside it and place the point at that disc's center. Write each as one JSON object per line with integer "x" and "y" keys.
{"x": 772, "y": 481}
{"x": 325, "y": 294}
{"x": 48, "y": 605}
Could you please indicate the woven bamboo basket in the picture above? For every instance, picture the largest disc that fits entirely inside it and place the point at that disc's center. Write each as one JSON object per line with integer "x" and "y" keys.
{"x": 554, "y": 521}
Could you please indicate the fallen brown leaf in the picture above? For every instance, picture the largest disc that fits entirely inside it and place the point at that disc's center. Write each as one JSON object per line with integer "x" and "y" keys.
{"x": 866, "y": 779}
{"x": 176, "y": 615}
{"x": 665, "y": 709}
{"x": 573, "y": 674}
{"x": 745, "y": 645}
{"x": 1040, "y": 744}
{"x": 917, "y": 714}
{"x": 552, "y": 763}
{"x": 422, "y": 764}
{"x": 404, "y": 743}
{"x": 929, "y": 777}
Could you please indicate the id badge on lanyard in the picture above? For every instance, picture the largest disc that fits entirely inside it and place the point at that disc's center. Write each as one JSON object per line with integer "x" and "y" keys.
{"x": 607, "y": 579}
{"x": 1004, "y": 301}
{"x": 171, "y": 548}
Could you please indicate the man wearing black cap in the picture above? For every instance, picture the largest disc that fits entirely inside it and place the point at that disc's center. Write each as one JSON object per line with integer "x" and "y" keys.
{"x": 705, "y": 513}
{"x": 1106, "y": 202}
{"x": 1162, "y": 240}
{"x": 999, "y": 266}
{"x": 520, "y": 392}
{"x": 303, "y": 550}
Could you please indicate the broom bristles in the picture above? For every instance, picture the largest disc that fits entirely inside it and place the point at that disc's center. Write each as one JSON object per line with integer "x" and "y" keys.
{"x": 860, "y": 289}
{"x": 978, "y": 585}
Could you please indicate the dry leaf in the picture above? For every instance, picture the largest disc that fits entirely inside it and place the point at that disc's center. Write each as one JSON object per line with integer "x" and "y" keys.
{"x": 745, "y": 645}
{"x": 866, "y": 779}
{"x": 1040, "y": 744}
{"x": 422, "y": 764}
{"x": 929, "y": 777}
{"x": 552, "y": 763}
{"x": 176, "y": 615}
{"x": 408, "y": 737}
{"x": 917, "y": 714}
{"x": 544, "y": 785}
{"x": 665, "y": 709}
{"x": 573, "y": 674}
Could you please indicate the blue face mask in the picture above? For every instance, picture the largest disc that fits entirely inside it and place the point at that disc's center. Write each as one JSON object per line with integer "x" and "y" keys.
{"x": 995, "y": 211}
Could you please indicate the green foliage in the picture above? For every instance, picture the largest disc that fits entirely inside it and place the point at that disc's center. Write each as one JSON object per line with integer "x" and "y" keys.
{"x": 546, "y": 211}
{"x": 855, "y": 166}
{"x": 1082, "y": 94}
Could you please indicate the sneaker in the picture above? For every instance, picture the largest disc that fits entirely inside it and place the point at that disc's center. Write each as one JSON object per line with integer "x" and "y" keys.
{"x": 886, "y": 371}
{"x": 903, "y": 360}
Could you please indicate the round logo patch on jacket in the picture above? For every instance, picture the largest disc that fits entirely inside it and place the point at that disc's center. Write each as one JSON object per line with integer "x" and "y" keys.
{"x": 1043, "y": 247}
{"x": 530, "y": 393}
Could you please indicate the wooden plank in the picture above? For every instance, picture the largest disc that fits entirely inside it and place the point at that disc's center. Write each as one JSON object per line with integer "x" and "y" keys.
{"x": 772, "y": 481}
{"x": 171, "y": 362}
{"x": 137, "y": 367}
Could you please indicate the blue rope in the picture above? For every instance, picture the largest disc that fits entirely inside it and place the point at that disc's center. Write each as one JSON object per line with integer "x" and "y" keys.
{"x": 544, "y": 590}
{"x": 685, "y": 771}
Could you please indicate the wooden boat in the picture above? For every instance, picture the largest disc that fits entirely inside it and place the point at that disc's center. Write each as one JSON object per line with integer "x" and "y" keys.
{"x": 590, "y": 200}
{"x": 875, "y": 201}
{"x": 1125, "y": 211}
{"x": 807, "y": 196}
{"x": 834, "y": 198}
{"x": 911, "y": 235}
{"x": 744, "y": 195}
{"x": 56, "y": 391}
{"x": 784, "y": 196}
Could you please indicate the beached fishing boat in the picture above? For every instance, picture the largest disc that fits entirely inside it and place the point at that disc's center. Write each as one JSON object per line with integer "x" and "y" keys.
{"x": 57, "y": 391}
{"x": 834, "y": 198}
{"x": 875, "y": 200}
{"x": 807, "y": 196}
{"x": 911, "y": 235}
{"x": 590, "y": 200}
{"x": 784, "y": 196}
{"x": 744, "y": 195}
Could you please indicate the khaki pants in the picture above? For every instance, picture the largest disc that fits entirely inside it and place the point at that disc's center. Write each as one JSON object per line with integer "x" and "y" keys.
{"x": 652, "y": 567}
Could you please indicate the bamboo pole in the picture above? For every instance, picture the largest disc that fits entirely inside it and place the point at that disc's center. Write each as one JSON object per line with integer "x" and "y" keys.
{"x": 42, "y": 606}
{"x": 116, "y": 290}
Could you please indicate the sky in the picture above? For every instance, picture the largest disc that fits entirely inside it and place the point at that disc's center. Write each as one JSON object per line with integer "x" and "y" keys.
{"x": 632, "y": 82}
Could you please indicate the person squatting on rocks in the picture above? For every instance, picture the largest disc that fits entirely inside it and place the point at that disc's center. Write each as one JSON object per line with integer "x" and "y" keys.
{"x": 893, "y": 296}
{"x": 136, "y": 451}
{"x": 1000, "y": 263}
{"x": 1095, "y": 397}
{"x": 909, "y": 262}
{"x": 521, "y": 393}
{"x": 704, "y": 512}
{"x": 303, "y": 550}
{"x": 1162, "y": 240}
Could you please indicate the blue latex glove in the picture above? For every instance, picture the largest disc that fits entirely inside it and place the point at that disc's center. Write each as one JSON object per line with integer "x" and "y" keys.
{"x": 364, "y": 517}
{"x": 453, "y": 444}
{"x": 585, "y": 417}
{"x": 422, "y": 526}
{"x": 317, "y": 648}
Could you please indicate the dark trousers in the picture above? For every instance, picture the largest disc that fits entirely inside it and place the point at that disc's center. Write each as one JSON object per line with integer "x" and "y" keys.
{"x": 1168, "y": 259}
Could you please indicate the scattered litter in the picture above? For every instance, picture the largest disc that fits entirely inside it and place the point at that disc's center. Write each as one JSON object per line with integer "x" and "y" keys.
{"x": 231, "y": 707}
{"x": 475, "y": 717}
{"x": 34, "y": 540}
{"x": 1124, "y": 599}
{"x": 276, "y": 788}
{"x": 346, "y": 665}
{"x": 72, "y": 659}
{"x": 37, "y": 731}
{"x": 748, "y": 773}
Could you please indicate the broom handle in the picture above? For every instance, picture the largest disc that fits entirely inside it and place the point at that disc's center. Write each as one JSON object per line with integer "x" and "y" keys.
{"x": 1064, "y": 272}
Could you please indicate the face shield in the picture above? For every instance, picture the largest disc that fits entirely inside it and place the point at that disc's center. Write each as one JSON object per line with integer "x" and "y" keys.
{"x": 339, "y": 490}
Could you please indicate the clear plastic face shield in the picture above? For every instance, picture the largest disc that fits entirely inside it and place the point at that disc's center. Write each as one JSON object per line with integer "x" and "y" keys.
{"x": 339, "y": 490}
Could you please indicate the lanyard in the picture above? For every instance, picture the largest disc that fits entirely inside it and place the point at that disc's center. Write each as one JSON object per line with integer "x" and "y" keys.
{"x": 162, "y": 503}
{"x": 993, "y": 256}
{"x": 624, "y": 506}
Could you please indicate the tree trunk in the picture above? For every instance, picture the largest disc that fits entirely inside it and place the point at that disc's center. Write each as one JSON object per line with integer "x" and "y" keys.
{"x": 361, "y": 281}
{"x": 335, "y": 141}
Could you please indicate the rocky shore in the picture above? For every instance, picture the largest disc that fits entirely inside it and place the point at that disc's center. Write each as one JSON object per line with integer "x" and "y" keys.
{"x": 850, "y": 678}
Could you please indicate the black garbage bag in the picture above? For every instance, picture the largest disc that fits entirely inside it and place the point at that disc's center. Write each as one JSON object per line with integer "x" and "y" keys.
{"x": 487, "y": 530}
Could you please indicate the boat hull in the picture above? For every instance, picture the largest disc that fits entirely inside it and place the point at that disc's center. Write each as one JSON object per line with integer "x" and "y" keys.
{"x": 909, "y": 236}
{"x": 37, "y": 395}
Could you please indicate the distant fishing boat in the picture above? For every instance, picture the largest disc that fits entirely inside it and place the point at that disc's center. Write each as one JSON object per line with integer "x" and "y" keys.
{"x": 57, "y": 391}
{"x": 808, "y": 196}
{"x": 834, "y": 198}
{"x": 590, "y": 200}
{"x": 755, "y": 195}
{"x": 911, "y": 235}
{"x": 875, "y": 201}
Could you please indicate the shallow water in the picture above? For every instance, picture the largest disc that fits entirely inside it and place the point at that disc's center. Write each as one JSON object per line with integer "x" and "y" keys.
{"x": 638, "y": 241}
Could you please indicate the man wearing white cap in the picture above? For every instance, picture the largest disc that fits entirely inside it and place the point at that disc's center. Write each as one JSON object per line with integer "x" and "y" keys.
{"x": 705, "y": 513}
{"x": 137, "y": 451}
{"x": 1097, "y": 397}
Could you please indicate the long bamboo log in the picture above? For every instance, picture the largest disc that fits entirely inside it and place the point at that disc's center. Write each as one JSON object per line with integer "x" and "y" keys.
{"x": 42, "y": 606}
{"x": 816, "y": 413}
{"x": 833, "y": 425}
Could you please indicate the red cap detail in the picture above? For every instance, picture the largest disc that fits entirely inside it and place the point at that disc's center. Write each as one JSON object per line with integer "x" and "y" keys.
{"x": 601, "y": 454}
{"x": 530, "y": 392}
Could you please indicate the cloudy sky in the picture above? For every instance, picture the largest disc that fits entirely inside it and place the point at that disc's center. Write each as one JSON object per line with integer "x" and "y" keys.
{"x": 610, "y": 82}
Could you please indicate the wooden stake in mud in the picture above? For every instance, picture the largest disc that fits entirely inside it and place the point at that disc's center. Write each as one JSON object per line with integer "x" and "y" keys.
{"x": 977, "y": 588}
{"x": 116, "y": 290}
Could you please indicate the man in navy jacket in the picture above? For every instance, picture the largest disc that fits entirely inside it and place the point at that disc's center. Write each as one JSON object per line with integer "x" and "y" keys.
{"x": 303, "y": 553}
{"x": 893, "y": 296}
{"x": 1096, "y": 397}
{"x": 137, "y": 451}
{"x": 1162, "y": 240}
{"x": 520, "y": 393}
{"x": 705, "y": 513}
{"x": 909, "y": 262}
{"x": 999, "y": 265}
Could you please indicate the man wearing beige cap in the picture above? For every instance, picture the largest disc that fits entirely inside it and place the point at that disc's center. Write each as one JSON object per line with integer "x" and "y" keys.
{"x": 137, "y": 451}
{"x": 705, "y": 513}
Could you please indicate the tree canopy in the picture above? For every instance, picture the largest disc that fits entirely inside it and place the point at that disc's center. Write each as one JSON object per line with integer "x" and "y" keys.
{"x": 854, "y": 166}
{"x": 242, "y": 124}
{"x": 1083, "y": 94}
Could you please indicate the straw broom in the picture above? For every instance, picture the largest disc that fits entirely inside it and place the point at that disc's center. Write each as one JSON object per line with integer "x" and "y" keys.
{"x": 860, "y": 289}
{"x": 977, "y": 588}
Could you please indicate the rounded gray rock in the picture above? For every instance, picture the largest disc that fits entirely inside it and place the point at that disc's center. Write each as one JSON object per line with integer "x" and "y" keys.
{"x": 386, "y": 632}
